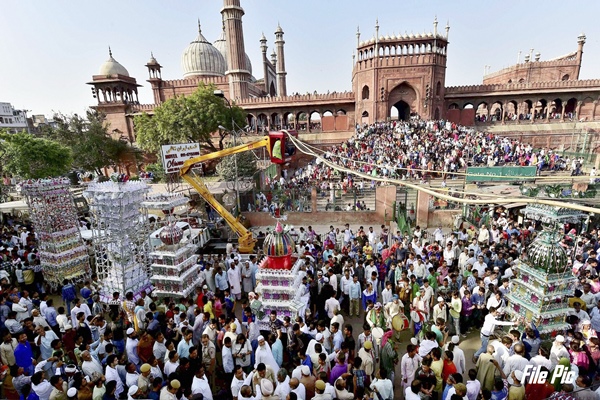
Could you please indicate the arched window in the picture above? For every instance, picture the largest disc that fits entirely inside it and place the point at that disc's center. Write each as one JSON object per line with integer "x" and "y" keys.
{"x": 522, "y": 80}
{"x": 438, "y": 88}
{"x": 365, "y": 92}
{"x": 565, "y": 77}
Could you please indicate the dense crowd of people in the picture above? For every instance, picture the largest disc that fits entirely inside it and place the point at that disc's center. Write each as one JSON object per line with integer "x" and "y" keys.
{"x": 214, "y": 344}
{"x": 415, "y": 150}
{"x": 363, "y": 288}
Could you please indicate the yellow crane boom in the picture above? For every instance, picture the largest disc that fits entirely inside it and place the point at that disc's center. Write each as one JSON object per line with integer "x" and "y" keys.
{"x": 246, "y": 241}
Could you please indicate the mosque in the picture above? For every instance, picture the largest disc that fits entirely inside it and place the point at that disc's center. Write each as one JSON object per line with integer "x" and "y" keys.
{"x": 398, "y": 76}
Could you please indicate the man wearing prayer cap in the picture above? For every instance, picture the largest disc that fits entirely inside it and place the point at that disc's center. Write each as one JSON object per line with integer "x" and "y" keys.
{"x": 133, "y": 392}
{"x": 72, "y": 393}
{"x": 168, "y": 392}
{"x": 308, "y": 380}
{"x": 263, "y": 353}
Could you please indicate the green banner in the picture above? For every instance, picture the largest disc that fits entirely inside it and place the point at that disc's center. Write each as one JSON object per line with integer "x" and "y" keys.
{"x": 501, "y": 174}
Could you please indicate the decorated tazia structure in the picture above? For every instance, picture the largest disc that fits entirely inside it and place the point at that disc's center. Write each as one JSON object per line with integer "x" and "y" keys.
{"x": 63, "y": 255}
{"x": 279, "y": 278}
{"x": 543, "y": 280}
{"x": 174, "y": 268}
{"x": 120, "y": 236}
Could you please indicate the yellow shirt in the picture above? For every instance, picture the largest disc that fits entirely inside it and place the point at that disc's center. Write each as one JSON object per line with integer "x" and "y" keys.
{"x": 437, "y": 367}
{"x": 368, "y": 250}
{"x": 209, "y": 309}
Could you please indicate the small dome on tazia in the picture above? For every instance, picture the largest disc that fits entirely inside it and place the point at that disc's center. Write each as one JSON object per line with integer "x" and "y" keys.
{"x": 278, "y": 243}
{"x": 221, "y": 45}
{"x": 112, "y": 66}
{"x": 202, "y": 58}
{"x": 546, "y": 254}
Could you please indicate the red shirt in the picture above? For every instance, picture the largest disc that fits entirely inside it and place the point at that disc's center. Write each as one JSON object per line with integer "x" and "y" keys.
{"x": 449, "y": 369}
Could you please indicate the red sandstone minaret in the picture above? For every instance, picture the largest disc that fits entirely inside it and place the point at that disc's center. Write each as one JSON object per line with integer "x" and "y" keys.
{"x": 238, "y": 73}
{"x": 279, "y": 42}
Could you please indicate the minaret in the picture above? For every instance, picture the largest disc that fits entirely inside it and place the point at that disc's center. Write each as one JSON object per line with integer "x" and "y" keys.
{"x": 279, "y": 42}
{"x": 357, "y": 37}
{"x": 447, "y": 29}
{"x": 155, "y": 79}
{"x": 239, "y": 76}
{"x": 263, "y": 49}
{"x": 376, "y": 38}
{"x": 435, "y": 24}
{"x": 580, "y": 42}
{"x": 274, "y": 58}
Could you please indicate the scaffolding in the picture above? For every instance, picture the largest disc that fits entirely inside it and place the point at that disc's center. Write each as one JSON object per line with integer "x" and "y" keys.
{"x": 120, "y": 236}
{"x": 62, "y": 252}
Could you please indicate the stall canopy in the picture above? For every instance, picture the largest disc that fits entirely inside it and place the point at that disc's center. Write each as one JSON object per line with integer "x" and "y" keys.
{"x": 14, "y": 207}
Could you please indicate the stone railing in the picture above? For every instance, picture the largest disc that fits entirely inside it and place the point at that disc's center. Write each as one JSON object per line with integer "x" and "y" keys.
{"x": 499, "y": 87}
{"x": 329, "y": 97}
{"x": 144, "y": 107}
{"x": 532, "y": 64}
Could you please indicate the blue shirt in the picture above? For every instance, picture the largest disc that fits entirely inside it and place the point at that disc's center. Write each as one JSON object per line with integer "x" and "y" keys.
{"x": 477, "y": 299}
{"x": 51, "y": 315}
{"x": 183, "y": 348}
{"x": 354, "y": 291}
{"x": 68, "y": 292}
{"x": 24, "y": 355}
{"x": 338, "y": 339}
{"x": 308, "y": 362}
{"x": 221, "y": 282}
{"x": 277, "y": 350}
{"x": 85, "y": 293}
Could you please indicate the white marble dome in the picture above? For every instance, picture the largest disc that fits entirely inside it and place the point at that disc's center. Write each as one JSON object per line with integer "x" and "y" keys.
{"x": 112, "y": 67}
{"x": 202, "y": 58}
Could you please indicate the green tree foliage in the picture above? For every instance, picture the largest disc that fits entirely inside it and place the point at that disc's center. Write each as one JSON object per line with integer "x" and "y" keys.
{"x": 246, "y": 163}
{"x": 188, "y": 119}
{"x": 88, "y": 138}
{"x": 30, "y": 157}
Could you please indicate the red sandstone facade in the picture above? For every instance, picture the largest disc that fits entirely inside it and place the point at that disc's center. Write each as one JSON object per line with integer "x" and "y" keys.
{"x": 393, "y": 76}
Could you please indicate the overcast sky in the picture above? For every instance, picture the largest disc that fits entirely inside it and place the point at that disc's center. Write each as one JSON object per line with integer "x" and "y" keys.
{"x": 50, "y": 49}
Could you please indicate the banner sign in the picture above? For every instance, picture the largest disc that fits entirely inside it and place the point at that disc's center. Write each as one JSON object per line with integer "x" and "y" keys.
{"x": 174, "y": 155}
{"x": 501, "y": 174}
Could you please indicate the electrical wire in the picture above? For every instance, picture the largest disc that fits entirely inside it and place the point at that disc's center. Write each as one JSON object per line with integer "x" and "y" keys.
{"x": 454, "y": 190}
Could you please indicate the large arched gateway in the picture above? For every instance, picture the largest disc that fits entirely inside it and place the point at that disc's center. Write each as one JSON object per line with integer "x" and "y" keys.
{"x": 402, "y": 101}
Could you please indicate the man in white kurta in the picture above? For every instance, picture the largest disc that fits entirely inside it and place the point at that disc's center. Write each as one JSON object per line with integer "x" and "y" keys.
{"x": 264, "y": 354}
{"x": 235, "y": 280}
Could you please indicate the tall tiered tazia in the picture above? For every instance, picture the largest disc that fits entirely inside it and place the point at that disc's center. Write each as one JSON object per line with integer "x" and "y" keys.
{"x": 62, "y": 253}
{"x": 120, "y": 232}
{"x": 543, "y": 279}
{"x": 174, "y": 270}
{"x": 279, "y": 278}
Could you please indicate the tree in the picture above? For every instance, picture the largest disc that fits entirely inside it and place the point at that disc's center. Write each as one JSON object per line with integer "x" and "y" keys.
{"x": 92, "y": 146}
{"x": 185, "y": 119}
{"x": 246, "y": 163}
{"x": 30, "y": 157}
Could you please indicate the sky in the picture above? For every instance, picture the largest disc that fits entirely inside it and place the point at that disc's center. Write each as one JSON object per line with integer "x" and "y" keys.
{"x": 50, "y": 49}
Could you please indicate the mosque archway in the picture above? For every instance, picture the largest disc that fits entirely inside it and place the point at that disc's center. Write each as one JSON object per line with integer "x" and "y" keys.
{"x": 402, "y": 101}
{"x": 400, "y": 111}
